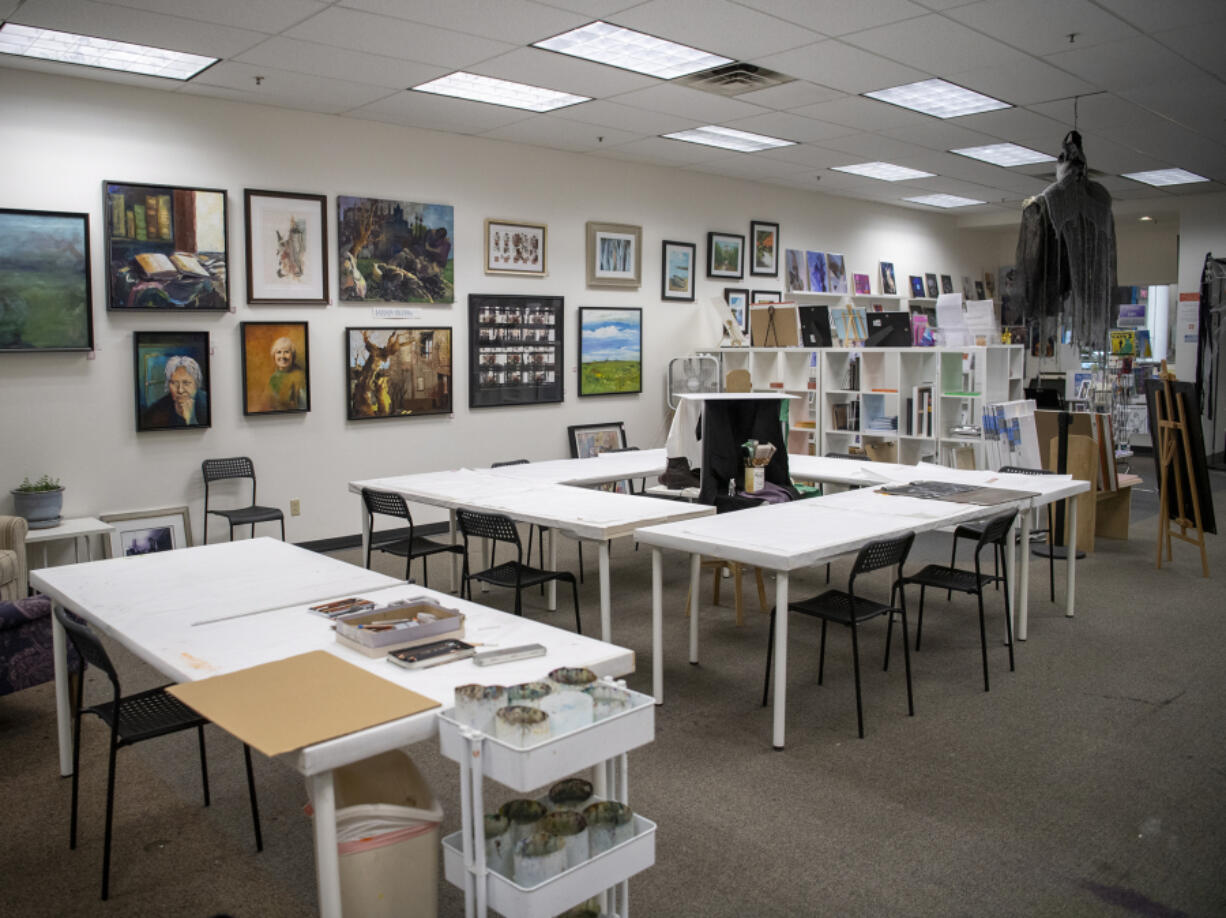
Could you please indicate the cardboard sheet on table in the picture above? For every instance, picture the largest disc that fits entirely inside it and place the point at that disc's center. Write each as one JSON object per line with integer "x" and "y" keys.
{"x": 288, "y": 704}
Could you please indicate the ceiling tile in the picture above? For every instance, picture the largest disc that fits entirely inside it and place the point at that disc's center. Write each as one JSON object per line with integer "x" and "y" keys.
{"x": 863, "y": 114}
{"x": 118, "y": 23}
{"x": 663, "y": 152}
{"x": 560, "y": 134}
{"x": 8, "y": 7}
{"x": 1149, "y": 16}
{"x": 938, "y": 135}
{"x": 436, "y": 113}
{"x": 841, "y": 66}
{"x": 1094, "y": 112}
{"x": 808, "y": 155}
{"x": 934, "y": 44}
{"x": 1022, "y": 81}
{"x": 266, "y": 16}
{"x": 790, "y": 95}
{"x": 1124, "y": 64}
{"x": 562, "y": 72}
{"x": 788, "y": 126}
{"x": 1202, "y": 45}
{"x": 702, "y": 107}
{"x": 292, "y": 90}
{"x": 396, "y": 38}
{"x": 1021, "y": 126}
{"x": 751, "y": 166}
{"x": 1043, "y": 26}
{"x": 868, "y": 147}
{"x": 1110, "y": 156}
{"x": 1176, "y": 147}
{"x": 838, "y": 17}
{"x": 717, "y": 26}
{"x": 516, "y": 21}
{"x": 626, "y": 118}
{"x": 593, "y": 9}
{"x": 339, "y": 63}
{"x": 1199, "y": 105}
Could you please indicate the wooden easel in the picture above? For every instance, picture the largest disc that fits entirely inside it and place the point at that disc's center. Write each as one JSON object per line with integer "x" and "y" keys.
{"x": 1172, "y": 443}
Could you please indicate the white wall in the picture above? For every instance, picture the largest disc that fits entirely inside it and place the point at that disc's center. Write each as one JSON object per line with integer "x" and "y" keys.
{"x": 73, "y": 416}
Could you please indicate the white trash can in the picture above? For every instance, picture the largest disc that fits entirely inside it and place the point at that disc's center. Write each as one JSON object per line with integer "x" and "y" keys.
{"x": 387, "y": 830}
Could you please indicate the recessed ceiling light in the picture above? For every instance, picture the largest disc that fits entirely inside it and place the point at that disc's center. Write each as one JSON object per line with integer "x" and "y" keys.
{"x": 887, "y": 172}
{"x": 478, "y": 88}
{"x": 89, "y": 51}
{"x": 1145, "y": 219}
{"x": 1159, "y": 177}
{"x": 1005, "y": 154}
{"x": 714, "y": 136}
{"x": 944, "y": 200}
{"x": 610, "y": 44}
{"x": 938, "y": 98}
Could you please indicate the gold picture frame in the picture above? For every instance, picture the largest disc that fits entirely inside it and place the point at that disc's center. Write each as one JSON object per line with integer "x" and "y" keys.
{"x": 516, "y": 248}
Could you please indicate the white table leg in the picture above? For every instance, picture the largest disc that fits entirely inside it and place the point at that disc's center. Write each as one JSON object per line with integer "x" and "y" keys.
{"x": 327, "y": 861}
{"x": 606, "y": 601}
{"x": 452, "y": 532}
{"x": 551, "y": 588}
{"x": 1011, "y": 572}
{"x": 657, "y": 625}
{"x": 695, "y": 570}
{"x": 63, "y": 707}
{"x": 1021, "y": 605}
{"x": 1071, "y": 589}
{"x": 781, "y": 656}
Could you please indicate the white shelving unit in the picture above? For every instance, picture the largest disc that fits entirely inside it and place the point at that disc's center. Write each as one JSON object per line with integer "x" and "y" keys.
{"x": 602, "y": 745}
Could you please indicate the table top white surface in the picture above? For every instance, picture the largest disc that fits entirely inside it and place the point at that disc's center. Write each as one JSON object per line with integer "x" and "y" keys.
{"x": 69, "y": 529}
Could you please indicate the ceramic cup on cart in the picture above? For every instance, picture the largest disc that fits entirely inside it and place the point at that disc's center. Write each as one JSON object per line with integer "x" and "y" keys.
{"x": 521, "y": 726}
{"x": 523, "y": 816}
{"x": 539, "y": 857}
{"x": 570, "y": 794}
{"x": 609, "y": 824}
{"x": 475, "y": 705}
{"x": 572, "y": 827}
{"x": 499, "y": 844}
{"x": 607, "y": 700}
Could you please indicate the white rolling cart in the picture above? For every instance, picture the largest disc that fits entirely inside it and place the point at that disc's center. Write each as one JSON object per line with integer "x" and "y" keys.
{"x": 604, "y": 745}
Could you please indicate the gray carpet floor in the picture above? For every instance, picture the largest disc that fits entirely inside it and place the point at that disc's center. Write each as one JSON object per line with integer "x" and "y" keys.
{"x": 1091, "y": 781}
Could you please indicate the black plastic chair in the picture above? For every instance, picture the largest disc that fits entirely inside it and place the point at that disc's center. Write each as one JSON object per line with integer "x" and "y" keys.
{"x": 515, "y": 574}
{"x": 996, "y": 533}
{"x": 132, "y": 719}
{"x": 403, "y": 543}
{"x": 540, "y": 530}
{"x": 236, "y": 467}
{"x": 846, "y": 608}
{"x": 849, "y": 487}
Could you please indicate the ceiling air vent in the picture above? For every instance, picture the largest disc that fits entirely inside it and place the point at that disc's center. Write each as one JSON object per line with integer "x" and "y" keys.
{"x": 734, "y": 79}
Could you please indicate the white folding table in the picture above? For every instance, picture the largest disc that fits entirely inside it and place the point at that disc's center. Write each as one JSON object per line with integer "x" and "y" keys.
{"x": 199, "y": 612}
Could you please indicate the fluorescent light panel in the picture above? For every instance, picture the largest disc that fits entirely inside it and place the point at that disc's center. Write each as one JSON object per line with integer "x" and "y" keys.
{"x": 479, "y": 88}
{"x": 938, "y": 98}
{"x": 49, "y": 45}
{"x": 944, "y": 200}
{"x": 728, "y": 139}
{"x": 1005, "y": 154}
{"x": 605, "y": 43}
{"x": 1160, "y": 177}
{"x": 887, "y": 172}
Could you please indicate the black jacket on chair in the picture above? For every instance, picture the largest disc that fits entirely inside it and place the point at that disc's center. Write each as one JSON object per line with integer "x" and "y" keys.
{"x": 728, "y": 425}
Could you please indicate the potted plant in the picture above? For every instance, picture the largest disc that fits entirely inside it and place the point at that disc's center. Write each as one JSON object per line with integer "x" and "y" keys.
{"x": 39, "y": 501}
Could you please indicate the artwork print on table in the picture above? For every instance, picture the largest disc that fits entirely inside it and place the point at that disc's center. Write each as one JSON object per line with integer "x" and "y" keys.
{"x": 171, "y": 380}
{"x": 610, "y": 351}
{"x": 836, "y": 273}
{"x": 45, "y": 300}
{"x": 398, "y": 372}
{"x": 395, "y": 251}
{"x": 816, "y": 262}
{"x": 888, "y": 286}
{"x": 143, "y": 532}
{"x": 287, "y": 247}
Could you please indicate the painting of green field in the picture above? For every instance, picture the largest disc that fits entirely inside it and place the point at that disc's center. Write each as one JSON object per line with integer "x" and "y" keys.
{"x": 606, "y": 377}
{"x": 44, "y": 281}
{"x": 610, "y": 351}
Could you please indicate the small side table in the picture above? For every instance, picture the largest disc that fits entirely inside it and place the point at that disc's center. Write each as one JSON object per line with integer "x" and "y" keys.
{"x": 79, "y": 530}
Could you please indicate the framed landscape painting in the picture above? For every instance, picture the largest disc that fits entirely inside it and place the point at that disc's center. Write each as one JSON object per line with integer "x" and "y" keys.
{"x": 613, "y": 255}
{"x": 764, "y": 248}
{"x": 610, "y": 351}
{"x": 45, "y": 297}
{"x": 397, "y": 372}
{"x": 143, "y": 532}
{"x": 172, "y": 380}
{"x": 515, "y": 248}
{"x": 677, "y": 271}
{"x": 167, "y": 247}
{"x": 725, "y": 255}
{"x": 395, "y": 251}
{"x": 287, "y": 247}
{"x": 276, "y": 367}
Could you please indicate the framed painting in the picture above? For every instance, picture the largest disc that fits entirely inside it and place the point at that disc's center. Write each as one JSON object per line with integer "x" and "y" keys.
{"x": 287, "y": 247}
{"x": 888, "y": 286}
{"x": 45, "y": 296}
{"x": 613, "y": 255}
{"x": 167, "y": 247}
{"x": 947, "y": 283}
{"x": 917, "y": 286}
{"x": 516, "y": 248}
{"x": 677, "y": 271}
{"x": 514, "y": 350}
{"x": 836, "y": 273}
{"x": 610, "y": 351}
{"x": 861, "y": 285}
{"x": 764, "y": 248}
{"x": 725, "y": 255}
{"x": 276, "y": 367}
{"x": 930, "y": 281}
{"x": 797, "y": 270}
{"x": 737, "y": 299}
{"x": 172, "y": 380}
{"x": 143, "y": 532}
{"x": 765, "y": 296}
{"x": 589, "y": 440}
{"x": 397, "y": 372}
{"x": 395, "y": 251}
{"x": 815, "y": 263}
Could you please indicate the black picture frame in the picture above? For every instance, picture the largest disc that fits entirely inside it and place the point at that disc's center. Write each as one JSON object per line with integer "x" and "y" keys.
{"x": 737, "y": 299}
{"x": 677, "y": 285}
{"x": 46, "y": 293}
{"x": 185, "y": 354}
{"x": 429, "y": 357}
{"x": 608, "y": 337}
{"x": 763, "y": 248}
{"x": 765, "y": 296}
{"x": 722, "y": 250}
{"x": 268, "y": 386}
{"x": 503, "y": 366}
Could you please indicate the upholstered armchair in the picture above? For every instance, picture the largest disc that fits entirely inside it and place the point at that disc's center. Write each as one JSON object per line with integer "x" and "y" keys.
{"x": 13, "y": 582}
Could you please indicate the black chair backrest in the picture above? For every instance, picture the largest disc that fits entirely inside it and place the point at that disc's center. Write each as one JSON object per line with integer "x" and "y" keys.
{"x": 843, "y": 456}
{"x": 1022, "y": 470}
{"x": 87, "y": 645}
{"x": 386, "y": 503}
{"x": 730, "y": 503}
{"x": 494, "y": 526}
{"x": 882, "y": 553}
{"x": 234, "y": 467}
{"x": 498, "y": 465}
{"x": 996, "y": 529}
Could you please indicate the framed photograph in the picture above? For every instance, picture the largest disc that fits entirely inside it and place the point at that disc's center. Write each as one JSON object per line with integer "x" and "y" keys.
{"x": 516, "y": 248}
{"x": 930, "y": 280}
{"x": 46, "y": 302}
{"x": 815, "y": 263}
{"x": 276, "y": 367}
{"x": 947, "y": 283}
{"x": 610, "y": 351}
{"x": 836, "y": 273}
{"x": 395, "y": 251}
{"x": 514, "y": 350}
{"x": 287, "y": 247}
{"x": 989, "y": 284}
{"x": 861, "y": 285}
{"x": 677, "y": 271}
{"x": 917, "y": 286}
{"x": 613, "y": 255}
{"x": 166, "y": 247}
{"x": 979, "y": 292}
{"x": 397, "y": 372}
{"x": 725, "y": 255}
{"x": 171, "y": 379}
{"x": 797, "y": 270}
{"x": 142, "y": 532}
{"x": 737, "y": 299}
{"x": 588, "y": 440}
{"x": 888, "y": 286}
{"x": 765, "y": 296}
{"x": 764, "y": 252}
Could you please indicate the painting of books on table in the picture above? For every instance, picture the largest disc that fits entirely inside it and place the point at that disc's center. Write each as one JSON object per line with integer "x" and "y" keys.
{"x": 166, "y": 247}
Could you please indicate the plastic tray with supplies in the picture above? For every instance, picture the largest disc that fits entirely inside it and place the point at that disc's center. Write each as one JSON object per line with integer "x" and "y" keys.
{"x": 424, "y": 656}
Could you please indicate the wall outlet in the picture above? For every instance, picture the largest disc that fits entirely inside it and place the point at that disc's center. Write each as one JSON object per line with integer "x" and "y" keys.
{"x": 295, "y": 507}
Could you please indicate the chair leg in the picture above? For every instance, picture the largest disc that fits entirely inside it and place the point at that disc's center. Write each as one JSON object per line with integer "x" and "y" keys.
{"x": 255, "y": 807}
{"x": 581, "y": 580}
{"x": 757, "y": 571}
{"x": 110, "y": 813}
{"x": 736, "y": 585}
{"x": 1051, "y": 558}
{"x": 574, "y": 590}
{"x": 919, "y": 625}
{"x": 889, "y": 629}
{"x": 949, "y": 594}
{"x": 906, "y": 657}
{"x": 76, "y": 764}
{"x": 821, "y": 655}
{"x": 1008, "y": 619}
{"x": 716, "y": 572}
{"x": 282, "y": 529}
{"x": 425, "y": 571}
{"x": 827, "y": 573}
{"x": 770, "y": 649}
{"x": 204, "y": 764}
{"x": 855, "y": 658}
{"x": 983, "y": 640}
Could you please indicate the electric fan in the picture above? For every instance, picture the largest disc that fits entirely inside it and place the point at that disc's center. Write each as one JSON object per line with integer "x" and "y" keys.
{"x": 690, "y": 376}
